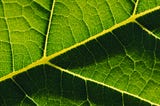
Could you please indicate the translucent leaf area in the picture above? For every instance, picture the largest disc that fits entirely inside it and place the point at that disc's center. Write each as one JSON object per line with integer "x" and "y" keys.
{"x": 79, "y": 53}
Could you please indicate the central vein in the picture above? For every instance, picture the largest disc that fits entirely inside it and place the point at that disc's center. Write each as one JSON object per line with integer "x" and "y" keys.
{"x": 45, "y": 59}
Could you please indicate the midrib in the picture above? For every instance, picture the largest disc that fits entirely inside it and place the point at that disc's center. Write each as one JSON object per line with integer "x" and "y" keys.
{"x": 45, "y": 59}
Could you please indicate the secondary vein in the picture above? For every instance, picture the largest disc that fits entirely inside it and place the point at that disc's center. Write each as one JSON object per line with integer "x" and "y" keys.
{"x": 135, "y": 8}
{"x": 100, "y": 83}
{"x": 48, "y": 29}
{"x": 45, "y": 59}
{"x": 129, "y": 20}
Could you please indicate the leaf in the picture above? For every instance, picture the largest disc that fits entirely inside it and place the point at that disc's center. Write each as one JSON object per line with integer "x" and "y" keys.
{"x": 79, "y": 52}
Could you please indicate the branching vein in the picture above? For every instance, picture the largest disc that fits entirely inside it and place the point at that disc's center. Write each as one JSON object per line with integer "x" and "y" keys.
{"x": 145, "y": 29}
{"x": 100, "y": 83}
{"x": 45, "y": 58}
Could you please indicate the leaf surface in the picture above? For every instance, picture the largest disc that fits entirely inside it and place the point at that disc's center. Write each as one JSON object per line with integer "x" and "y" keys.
{"x": 79, "y": 52}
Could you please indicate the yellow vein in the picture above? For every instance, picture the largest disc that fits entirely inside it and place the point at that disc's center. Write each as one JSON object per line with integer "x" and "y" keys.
{"x": 48, "y": 30}
{"x": 45, "y": 59}
{"x": 135, "y": 8}
{"x": 145, "y": 29}
{"x": 14, "y": 73}
{"x": 129, "y": 20}
{"x": 100, "y": 83}
{"x": 147, "y": 12}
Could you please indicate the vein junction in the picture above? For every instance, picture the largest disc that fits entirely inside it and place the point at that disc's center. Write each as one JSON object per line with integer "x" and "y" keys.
{"x": 45, "y": 59}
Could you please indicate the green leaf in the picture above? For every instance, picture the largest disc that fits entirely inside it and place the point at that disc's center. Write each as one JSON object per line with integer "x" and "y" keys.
{"x": 79, "y": 52}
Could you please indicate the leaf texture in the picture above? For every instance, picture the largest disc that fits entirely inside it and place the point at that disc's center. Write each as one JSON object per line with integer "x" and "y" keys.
{"x": 79, "y": 52}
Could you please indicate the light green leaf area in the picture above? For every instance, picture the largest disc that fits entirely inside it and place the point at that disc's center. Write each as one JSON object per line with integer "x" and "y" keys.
{"x": 79, "y": 52}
